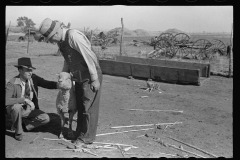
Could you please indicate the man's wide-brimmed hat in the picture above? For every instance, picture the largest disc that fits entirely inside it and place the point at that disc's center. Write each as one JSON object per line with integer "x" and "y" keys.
{"x": 25, "y": 62}
{"x": 48, "y": 28}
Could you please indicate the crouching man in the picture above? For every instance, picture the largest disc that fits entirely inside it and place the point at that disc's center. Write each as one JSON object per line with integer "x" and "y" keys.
{"x": 22, "y": 98}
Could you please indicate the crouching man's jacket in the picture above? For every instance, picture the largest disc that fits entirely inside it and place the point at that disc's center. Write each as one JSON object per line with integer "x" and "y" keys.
{"x": 14, "y": 89}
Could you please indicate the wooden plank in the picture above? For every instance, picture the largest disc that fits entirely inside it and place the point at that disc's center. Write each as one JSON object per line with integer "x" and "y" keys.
{"x": 204, "y": 72}
{"x": 115, "y": 68}
{"x": 160, "y": 73}
{"x": 187, "y": 65}
{"x": 164, "y": 73}
{"x": 189, "y": 76}
{"x": 131, "y": 59}
{"x": 122, "y": 69}
{"x": 140, "y": 70}
{"x": 156, "y": 62}
{"x": 177, "y": 75}
{"x": 106, "y": 66}
{"x": 171, "y": 74}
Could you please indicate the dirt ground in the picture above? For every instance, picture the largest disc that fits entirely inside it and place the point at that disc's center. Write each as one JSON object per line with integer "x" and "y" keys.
{"x": 207, "y": 120}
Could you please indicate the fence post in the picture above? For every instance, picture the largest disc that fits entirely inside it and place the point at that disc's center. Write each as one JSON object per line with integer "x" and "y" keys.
{"x": 7, "y": 33}
{"x": 28, "y": 39}
{"x": 91, "y": 36}
{"x": 121, "y": 47}
{"x": 230, "y": 54}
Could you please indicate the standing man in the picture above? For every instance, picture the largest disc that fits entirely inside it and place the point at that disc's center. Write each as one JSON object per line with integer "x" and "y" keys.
{"x": 22, "y": 98}
{"x": 83, "y": 64}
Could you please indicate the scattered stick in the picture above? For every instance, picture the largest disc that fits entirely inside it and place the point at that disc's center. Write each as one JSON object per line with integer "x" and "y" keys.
{"x": 77, "y": 149}
{"x": 144, "y": 96}
{"x": 63, "y": 149}
{"x": 122, "y": 152}
{"x": 86, "y": 151}
{"x": 193, "y": 147}
{"x": 108, "y": 147}
{"x": 117, "y": 144}
{"x": 168, "y": 154}
{"x": 140, "y": 136}
{"x": 136, "y": 85}
{"x": 152, "y": 110}
{"x": 34, "y": 140}
{"x": 126, "y": 149}
{"x": 166, "y": 127}
{"x": 181, "y": 149}
{"x": 147, "y": 125}
{"x": 161, "y": 142}
{"x": 129, "y": 153}
{"x": 103, "y": 134}
{"x": 57, "y": 139}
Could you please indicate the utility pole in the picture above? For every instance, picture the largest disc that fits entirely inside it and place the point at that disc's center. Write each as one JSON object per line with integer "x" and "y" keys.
{"x": 230, "y": 54}
{"x": 121, "y": 45}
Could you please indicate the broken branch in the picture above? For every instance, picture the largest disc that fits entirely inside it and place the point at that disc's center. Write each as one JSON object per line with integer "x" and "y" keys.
{"x": 181, "y": 149}
{"x": 147, "y": 125}
{"x": 117, "y": 144}
{"x": 63, "y": 149}
{"x": 193, "y": 147}
{"x": 103, "y": 134}
{"x": 89, "y": 152}
{"x": 34, "y": 140}
{"x": 168, "y": 154}
{"x": 122, "y": 152}
{"x": 78, "y": 150}
{"x": 152, "y": 110}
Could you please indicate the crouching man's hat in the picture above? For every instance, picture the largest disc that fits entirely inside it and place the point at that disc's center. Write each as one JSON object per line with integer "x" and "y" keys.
{"x": 25, "y": 62}
{"x": 48, "y": 28}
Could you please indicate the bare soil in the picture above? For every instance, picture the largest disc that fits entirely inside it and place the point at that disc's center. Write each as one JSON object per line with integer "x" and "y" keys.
{"x": 207, "y": 120}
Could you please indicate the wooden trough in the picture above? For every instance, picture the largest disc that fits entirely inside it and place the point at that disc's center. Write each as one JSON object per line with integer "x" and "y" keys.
{"x": 158, "y": 70}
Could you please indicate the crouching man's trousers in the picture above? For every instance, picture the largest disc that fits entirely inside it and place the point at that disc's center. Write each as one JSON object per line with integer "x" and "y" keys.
{"x": 31, "y": 119}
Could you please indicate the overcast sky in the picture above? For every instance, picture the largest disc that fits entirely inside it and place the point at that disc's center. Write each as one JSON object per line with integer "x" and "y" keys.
{"x": 151, "y": 18}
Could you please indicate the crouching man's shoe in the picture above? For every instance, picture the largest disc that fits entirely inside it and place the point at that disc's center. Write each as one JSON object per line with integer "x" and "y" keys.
{"x": 18, "y": 137}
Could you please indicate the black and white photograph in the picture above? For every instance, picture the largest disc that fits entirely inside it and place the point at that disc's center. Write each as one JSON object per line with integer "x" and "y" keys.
{"x": 119, "y": 81}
